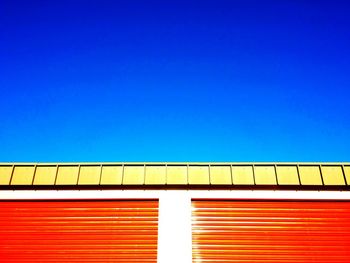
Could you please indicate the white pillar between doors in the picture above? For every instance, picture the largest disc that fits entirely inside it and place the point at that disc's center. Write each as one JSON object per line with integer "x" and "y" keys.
{"x": 174, "y": 227}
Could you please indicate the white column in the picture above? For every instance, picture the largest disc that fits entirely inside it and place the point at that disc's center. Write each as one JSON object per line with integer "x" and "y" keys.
{"x": 174, "y": 227}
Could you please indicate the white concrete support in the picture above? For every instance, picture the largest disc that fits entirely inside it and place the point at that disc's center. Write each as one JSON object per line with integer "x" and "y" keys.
{"x": 174, "y": 228}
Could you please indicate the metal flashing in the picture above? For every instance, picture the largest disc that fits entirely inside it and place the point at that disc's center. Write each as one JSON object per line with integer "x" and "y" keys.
{"x": 181, "y": 175}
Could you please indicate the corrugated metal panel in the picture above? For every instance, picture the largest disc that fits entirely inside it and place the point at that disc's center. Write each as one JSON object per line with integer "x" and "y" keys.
{"x": 45, "y": 175}
{"x": 332, "y": 175}
{"x": 5, "y": 174}
{"x": 155, "y": 175}
{"x": 75, "y": 231}
{"x": 287, "y": 175}
{"x": 186, "y": 174}
{"x": 134, "y": 175}
{"x": 23, "y": 175}
{"x": 89, "y": 175}
{"x": 243, "y": 175}
{"x": 310, "y": 175}
{"x": 198, "y": 175}
{"x": 112, "y": 175}
{"x": 177, "y": 175}
{"x": 347, "y": 174}
{"x": 67, "y": 175}
{"x": 259, "y": 231}
{"x": 265, "y": 175}
{"x": 220, "y": 175}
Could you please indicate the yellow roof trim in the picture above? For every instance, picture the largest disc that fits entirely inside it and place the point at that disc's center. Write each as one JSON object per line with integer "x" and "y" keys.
{"x": 175, "y": 174}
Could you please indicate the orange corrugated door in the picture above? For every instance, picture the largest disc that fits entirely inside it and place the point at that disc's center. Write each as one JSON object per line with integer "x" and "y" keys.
{"x": 276, "y": 231}
{"x": 78, "y": 231}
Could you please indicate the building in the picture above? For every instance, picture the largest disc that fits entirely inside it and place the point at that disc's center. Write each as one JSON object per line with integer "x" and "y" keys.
{"x": 175, "y": 212}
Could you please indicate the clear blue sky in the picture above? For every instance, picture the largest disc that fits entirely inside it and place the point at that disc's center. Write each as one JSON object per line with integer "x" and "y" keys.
{"x": 174, "y": 80}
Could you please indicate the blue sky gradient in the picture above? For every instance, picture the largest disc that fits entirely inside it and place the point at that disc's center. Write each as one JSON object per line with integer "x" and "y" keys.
{"x": 174, "y": 81}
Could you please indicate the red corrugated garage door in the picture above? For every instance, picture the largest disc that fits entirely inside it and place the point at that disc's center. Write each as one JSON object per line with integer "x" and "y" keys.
{"x": 71, "y": 231}
{"x": 277, "y": 231}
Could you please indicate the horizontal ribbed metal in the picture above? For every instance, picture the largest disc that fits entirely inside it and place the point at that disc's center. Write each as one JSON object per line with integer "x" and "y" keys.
{"x": 258, "y": 231}
{"x": 175, "y": 174}
{"x": 75, "y": 231}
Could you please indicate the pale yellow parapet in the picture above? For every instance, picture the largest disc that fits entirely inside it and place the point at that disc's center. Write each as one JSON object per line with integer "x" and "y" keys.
{"x": 175, "y": 174}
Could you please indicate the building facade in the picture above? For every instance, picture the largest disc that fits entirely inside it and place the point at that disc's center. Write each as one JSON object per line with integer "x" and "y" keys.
{"x": 175, "y": 212}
